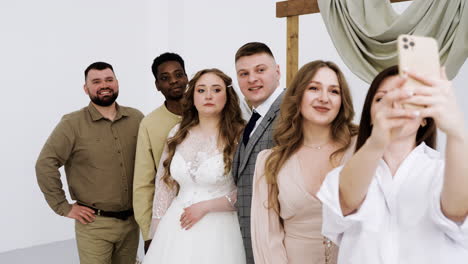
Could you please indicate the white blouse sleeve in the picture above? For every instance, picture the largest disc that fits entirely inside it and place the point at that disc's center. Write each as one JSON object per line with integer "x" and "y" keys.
{"x": 334, "y": 222}
{"x": 458, "y": 232}
{"x": 163, "y": 195}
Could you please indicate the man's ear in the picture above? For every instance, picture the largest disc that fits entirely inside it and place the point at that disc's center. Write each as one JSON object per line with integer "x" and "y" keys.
{"x": 156, "y": 84}
{"x": 85, "y": 89}
{"x": 278, "y": 70}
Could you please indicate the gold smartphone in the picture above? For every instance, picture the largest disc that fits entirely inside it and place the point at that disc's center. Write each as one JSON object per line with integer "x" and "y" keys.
{"x": 420, "y": 55}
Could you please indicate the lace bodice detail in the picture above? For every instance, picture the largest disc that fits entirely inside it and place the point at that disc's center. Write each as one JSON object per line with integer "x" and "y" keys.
{"x": 196, "y": 149}
{"x": 198, "y": 168}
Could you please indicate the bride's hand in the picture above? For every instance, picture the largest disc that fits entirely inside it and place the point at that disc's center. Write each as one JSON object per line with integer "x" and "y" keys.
{"x": 193, "y": 214}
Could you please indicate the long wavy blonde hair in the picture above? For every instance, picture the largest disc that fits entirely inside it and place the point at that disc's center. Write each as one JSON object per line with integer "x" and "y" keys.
{"x": 288, "y": 134}
{"x": 230, "y": 127}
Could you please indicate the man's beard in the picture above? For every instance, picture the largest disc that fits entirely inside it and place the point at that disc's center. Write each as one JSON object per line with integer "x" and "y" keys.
{"x": 105, "y": 100}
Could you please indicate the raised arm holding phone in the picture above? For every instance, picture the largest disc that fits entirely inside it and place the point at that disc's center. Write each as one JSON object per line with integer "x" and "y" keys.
{"x": 398, "y": 200}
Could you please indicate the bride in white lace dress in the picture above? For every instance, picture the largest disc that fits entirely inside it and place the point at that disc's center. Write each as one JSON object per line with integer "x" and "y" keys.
{"x": 194, "y": 218}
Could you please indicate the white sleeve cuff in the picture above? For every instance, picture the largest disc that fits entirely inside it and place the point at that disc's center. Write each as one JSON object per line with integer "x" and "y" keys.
{"x": 334, "y": 222}
{"x": 456, "y": 231}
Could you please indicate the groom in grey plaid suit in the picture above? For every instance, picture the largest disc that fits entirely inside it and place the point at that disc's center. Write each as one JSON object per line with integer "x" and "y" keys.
{"x": 258, "y": 75}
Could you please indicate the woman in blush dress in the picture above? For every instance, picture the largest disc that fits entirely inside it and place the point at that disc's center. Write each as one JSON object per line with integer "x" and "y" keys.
{"x": 194, "y": 218}
{"x": 313, "y": 135}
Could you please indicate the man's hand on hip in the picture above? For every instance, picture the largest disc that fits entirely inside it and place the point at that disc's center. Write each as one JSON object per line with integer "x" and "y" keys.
{"x": 82, "y": 213}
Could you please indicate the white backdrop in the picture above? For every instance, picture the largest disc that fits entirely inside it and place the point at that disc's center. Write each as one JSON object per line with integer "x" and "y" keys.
{"x": 46, "y": 45}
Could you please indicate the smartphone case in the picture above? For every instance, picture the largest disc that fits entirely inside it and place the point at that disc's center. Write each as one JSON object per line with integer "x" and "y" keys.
{"x": 418, "y": 54}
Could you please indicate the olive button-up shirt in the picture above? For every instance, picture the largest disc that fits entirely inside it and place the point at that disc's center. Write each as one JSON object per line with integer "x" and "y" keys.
{"x": 98, "y": 155}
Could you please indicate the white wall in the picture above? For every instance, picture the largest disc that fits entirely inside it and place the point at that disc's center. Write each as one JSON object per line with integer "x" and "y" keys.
{"x": 45, "y": 47}
{"x": 47, "y": 44}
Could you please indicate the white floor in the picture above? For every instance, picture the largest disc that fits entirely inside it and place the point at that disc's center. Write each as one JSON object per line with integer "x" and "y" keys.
{"x": 54, "y": 253}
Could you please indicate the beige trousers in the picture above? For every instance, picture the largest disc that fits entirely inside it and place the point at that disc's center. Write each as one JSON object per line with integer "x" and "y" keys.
{"x": 107, "y": 240}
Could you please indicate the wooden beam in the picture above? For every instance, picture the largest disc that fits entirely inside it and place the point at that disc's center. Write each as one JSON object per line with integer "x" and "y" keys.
{"x": 396, "y": 1}
{"x": 296, "y": 8}
{"x": 292, "y": 38}
{"x": 303, "y": 7}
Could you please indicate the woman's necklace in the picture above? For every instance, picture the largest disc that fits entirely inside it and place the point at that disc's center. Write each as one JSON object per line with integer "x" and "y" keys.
{"x": 317, "y": 147}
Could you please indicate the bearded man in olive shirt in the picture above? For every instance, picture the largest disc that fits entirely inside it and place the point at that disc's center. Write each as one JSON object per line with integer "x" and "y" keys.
{"x": 97, "y": 147}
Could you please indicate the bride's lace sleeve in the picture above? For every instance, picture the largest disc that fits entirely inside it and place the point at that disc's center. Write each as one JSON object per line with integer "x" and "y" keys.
{"x": 227, "y": 201}
{"x": 163, "y": 195}
{"x": 231, "y": 196}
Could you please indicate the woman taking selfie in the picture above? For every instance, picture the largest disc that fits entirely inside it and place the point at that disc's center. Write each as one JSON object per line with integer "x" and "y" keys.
{"x": 397, "y": 200}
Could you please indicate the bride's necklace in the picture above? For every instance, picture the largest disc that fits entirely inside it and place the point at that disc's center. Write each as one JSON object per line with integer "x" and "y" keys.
{"x": 317, "y": 147}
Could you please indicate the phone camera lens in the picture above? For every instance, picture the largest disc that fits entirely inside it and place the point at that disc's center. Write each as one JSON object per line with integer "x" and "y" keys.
{"x": 405, "y": 46}
{"x": 411, "y": 44}
{"x": 405, "y": 40}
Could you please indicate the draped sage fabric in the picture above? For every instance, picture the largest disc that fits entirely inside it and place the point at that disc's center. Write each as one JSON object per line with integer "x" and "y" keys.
{"x": 365, "y": 31}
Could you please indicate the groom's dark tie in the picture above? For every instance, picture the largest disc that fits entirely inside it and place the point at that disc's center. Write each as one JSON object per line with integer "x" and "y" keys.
{"x": 250, "y": 126}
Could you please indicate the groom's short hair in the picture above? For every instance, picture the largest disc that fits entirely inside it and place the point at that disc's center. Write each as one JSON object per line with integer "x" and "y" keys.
{"x": 253, "y": 48}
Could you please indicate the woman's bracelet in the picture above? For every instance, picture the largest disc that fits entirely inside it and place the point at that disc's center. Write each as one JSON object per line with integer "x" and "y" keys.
{"x": 229, "y": 200}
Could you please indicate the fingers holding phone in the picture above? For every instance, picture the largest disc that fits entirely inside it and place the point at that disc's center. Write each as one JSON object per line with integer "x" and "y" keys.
{"x": 389, "y": 119}
{"x": 437, "y": 96}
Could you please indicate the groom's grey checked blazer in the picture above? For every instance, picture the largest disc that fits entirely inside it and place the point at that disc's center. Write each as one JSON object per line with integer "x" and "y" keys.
{"x": 243, "y": 168}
